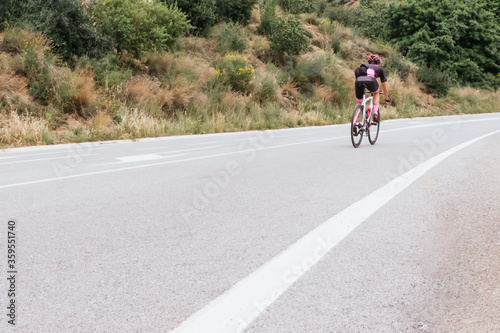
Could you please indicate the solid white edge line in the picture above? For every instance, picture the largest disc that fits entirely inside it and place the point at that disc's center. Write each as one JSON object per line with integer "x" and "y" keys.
{"x": 235, "y": 309}
{"x": 41, "y": 159}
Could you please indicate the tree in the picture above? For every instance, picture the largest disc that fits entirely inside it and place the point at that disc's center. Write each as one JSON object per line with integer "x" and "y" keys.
{"x": 202, "y": 14}
{"x": 297, "y": 6}
{"x": 289, "y": 36}
{"x": 64, "y": 21}
{"x": 459, "y": 37}
{"x": 137, "y": 25}
{"x": 235, "y": 10}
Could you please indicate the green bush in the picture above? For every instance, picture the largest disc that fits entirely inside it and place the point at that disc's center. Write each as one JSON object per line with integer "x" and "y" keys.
{"x": 297, "y": 6}
{"x": 202, "y": 14}
{"x": 370, "y": 18}
{"x": 267, "y": 17}
{"x": 344, "y": 15}
{"x": 265, "y": 89}
{"x": 231, "y": 39}
{"x": 64, "y": 21}
{"x": 289, "y": 36}
{"x": 458, "y": 37}
{"x": 235, "y": 71}
{"x": 397, "y": 64}
{"x": 73, "y": 33}
{"x": 436, "y": 82}
{"x": 235, "y": 10}
{"x": 107, "y": 71}
{"x": 309, "y": 71}
{"x": 137, "y": 26}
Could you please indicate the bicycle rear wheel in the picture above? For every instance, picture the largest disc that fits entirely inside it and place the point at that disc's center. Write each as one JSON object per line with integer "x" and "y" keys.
{"x": 356, "y": 126}
{"x": 373, "y": 129}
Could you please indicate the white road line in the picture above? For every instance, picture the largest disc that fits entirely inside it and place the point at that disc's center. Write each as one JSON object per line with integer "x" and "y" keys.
{"x": 250, "y": 138}
{"x": 235, "y": 309}
{"x": 44, "y": 159}
{"x": 457, "y": 122}
{"x": 161, "y": 163}
{"x": 37, "y": 154}
{"x": 139, "y": 149}
{"x": 201, "y": 143}
{"x": 68, "y": 151}
{"x": 174, "y": 151}
{"x": 191, "y": 149}
{"x": 139, "y": 158}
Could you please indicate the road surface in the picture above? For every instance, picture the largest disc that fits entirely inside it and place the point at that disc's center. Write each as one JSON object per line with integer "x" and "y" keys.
{"x": 276, "y": 231}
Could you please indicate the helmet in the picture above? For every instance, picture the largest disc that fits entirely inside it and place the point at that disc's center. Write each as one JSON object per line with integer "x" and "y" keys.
{"x": 374, "y": 59}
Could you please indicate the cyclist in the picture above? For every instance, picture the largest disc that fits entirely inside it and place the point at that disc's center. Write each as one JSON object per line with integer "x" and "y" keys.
{"x": 366, "y": 75}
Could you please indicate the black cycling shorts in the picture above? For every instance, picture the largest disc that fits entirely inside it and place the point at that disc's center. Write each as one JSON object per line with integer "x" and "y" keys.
{"x": 368, "y": 81}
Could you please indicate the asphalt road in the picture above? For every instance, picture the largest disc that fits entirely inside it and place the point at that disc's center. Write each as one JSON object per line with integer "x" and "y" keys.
{"x": 276, "y": 231}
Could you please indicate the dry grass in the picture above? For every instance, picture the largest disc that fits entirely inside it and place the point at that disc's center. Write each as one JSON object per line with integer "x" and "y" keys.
{"x": 142, "y": 89}
{"x": 17, "y": 40}
{"x": 159, "y": 64}
{"x": 20, "y": 130}
{"x": 102, "y": 122}
{"x": 327, "y": 95}
{"x": 318, "y": 39}
{"x": 290, "y": 92}
{"x": 14, "y": 90}
{"x": 85, "y": 93}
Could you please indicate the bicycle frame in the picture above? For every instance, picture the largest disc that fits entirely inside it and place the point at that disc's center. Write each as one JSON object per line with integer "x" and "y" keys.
{"x": 363, "y": 103}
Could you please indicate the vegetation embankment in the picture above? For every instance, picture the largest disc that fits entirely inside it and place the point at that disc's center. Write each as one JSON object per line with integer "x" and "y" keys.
{"x": 125, "y": 69}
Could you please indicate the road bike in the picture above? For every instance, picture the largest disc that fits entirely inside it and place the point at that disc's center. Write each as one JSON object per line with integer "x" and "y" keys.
{"x": 362, "y": 121}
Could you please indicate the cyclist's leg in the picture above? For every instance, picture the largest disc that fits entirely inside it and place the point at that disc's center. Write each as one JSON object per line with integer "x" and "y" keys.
{"x": 359, "y": 89}
{"x": 376, "y": 100}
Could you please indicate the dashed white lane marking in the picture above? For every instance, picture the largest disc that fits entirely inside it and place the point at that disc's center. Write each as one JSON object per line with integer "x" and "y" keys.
{"x": 235, "y": 309}
{"x": 140, "y": 158}
{"x": 201, "y": 143}
{"x": 137, "y": 158}
{"x": 162, "y": 163}
{"x": 43, "y": 159}
{"x": 191, "y": 149}
{"x": 457, "y": 123}
{"x": 151, "y": 148}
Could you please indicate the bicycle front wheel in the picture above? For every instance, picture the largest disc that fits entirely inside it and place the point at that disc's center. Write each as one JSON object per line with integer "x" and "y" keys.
{"x": 373, "y": 129}
{"x": 357, "y": 125}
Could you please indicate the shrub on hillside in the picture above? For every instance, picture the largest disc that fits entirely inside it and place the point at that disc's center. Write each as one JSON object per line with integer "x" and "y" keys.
{"x": 297, "y": 6}
{"x": 397, "y": 64}
{"x": 137, "y": 26}
{"x": 289, "y": 36}
{"x": 202, "y": 14}
{"x": 235, "y": 71}
{"x": 344, "y": 15}
{"x": 370, "y": 18}
{"x": 235, "y": 10}
{"x": 64, "y": 21}
{"x": 231, "y": 39}
{"x": 436, "y": 82}
{"x": 308, "y": 72}
{"x": 267, "y": 17}
{"x": 459, "y": 37}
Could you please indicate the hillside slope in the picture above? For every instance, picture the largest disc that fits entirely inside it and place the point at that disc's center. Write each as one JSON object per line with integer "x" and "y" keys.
{"x": 45, "y": 101}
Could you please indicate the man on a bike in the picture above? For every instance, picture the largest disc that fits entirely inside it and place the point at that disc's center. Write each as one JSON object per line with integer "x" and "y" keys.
{"x": 366, "y": 76}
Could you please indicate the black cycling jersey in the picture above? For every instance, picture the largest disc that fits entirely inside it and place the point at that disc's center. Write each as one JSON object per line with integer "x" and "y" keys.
{"x": 372, "y": 71}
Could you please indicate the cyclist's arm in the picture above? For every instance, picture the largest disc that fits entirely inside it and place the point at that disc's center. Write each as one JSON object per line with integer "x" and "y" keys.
{"x": 385, "y": 89}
